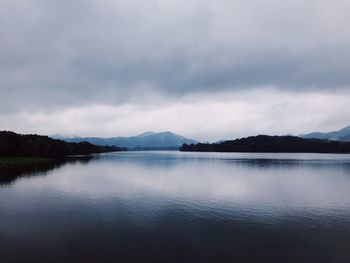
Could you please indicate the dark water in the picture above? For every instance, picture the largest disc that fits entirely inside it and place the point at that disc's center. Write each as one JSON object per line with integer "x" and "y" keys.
{"x": 180, "y": 207}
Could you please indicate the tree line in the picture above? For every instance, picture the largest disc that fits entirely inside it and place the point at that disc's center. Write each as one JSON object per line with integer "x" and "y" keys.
{"x": 265, "y": 143}
{"x": 17, "y": 145}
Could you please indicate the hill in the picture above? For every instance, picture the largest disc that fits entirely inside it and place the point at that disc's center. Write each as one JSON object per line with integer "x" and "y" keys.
{"x": 340, "y": 135}
{"x": 144, "y": 141}
{"x": 264, "y": 143}
{"x": 17, "y": 145}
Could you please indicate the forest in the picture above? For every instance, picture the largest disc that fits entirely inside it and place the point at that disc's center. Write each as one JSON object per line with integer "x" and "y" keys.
{"x": 265, "y": 143}
{"x": 17, "y": 145}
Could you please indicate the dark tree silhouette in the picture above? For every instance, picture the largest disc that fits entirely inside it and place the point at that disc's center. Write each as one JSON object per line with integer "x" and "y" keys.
{"x": 264, "y": 143}
{"x": 17, "y": 145}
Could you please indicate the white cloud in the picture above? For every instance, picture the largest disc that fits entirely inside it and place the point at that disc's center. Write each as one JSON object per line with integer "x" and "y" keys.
{"x": 225, "y": 116}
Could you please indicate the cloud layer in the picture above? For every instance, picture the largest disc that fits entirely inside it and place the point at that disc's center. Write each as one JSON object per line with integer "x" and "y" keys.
{"x": 60, "y": 55}
{"x": 203, "y": 119}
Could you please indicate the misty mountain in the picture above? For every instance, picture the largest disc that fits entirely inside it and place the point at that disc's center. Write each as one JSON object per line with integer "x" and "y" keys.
{"x": 146, "y": 141}
{"x": 341, "y": 135}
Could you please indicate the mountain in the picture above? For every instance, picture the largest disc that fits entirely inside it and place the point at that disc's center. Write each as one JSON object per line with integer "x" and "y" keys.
{"x": 341, "y": 135}
{"x": 264, "y": 143}
{"x": 145, "y": 141}
{"x": 18, "y": 145}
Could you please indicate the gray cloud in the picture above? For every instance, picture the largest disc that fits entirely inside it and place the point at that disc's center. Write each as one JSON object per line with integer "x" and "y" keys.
{"x": 214, "y": 117}
{"x": 76, "y": 52}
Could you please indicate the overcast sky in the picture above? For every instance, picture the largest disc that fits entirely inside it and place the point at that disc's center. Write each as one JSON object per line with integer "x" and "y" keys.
{"x": 205, "y": 69}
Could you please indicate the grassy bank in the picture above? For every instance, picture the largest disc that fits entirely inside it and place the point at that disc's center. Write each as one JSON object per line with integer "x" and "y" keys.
{"x": 14, "y": 162}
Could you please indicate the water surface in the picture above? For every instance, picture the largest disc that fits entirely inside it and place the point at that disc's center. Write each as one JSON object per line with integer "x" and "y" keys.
{"x": 180, "y": 207}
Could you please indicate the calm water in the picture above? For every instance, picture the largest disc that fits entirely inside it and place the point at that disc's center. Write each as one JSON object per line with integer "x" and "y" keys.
{"x": 180, "y": 207}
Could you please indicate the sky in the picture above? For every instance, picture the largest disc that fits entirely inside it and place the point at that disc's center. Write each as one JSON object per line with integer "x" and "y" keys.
{"x": 205, "y": 69}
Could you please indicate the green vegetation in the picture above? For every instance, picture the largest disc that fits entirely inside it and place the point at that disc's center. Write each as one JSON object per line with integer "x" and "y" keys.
{"x": 17, "y": 145}
{"x": 28, "y": 154}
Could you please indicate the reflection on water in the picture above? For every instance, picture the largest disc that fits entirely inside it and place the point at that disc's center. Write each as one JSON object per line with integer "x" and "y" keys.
{"x": 181, "y": 207}
{"x": 11, "y": 174}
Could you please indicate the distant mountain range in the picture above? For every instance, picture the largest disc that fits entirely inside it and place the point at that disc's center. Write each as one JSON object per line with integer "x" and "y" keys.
{"x": 144, "y": 141}
{"x": 341, "y": 135}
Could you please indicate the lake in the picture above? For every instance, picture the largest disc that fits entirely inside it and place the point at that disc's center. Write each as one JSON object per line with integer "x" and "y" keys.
{"x": 170, "y": 206}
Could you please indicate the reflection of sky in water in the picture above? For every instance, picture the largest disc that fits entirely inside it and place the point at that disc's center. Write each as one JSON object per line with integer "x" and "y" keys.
{"x": 312, "y": 183}
{"x": 181, "y": 207}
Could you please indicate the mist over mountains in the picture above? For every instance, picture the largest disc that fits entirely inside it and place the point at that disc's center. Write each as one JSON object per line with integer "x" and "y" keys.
{"x": 171, "y": 141}
{"x": 340, "y": 135}
{"x": 148, "y": 141}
